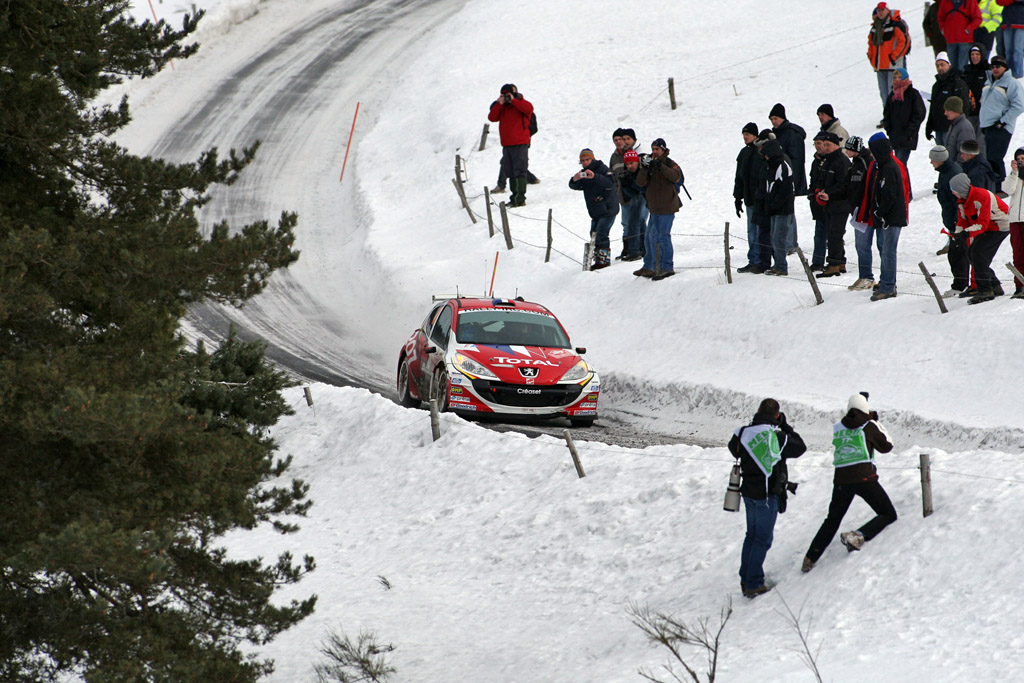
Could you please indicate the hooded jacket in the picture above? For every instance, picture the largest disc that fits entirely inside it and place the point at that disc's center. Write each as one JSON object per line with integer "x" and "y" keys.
{"x": 747, "y": 174}
{"x": 599, "y": 191}
{"x": 980, "y": 172}
{"x": 902, "y": 119}
{"x": 975, "y": 76}
{"x": 791, "y": 138}
{"x": 889, "y": 191}
{"x": 887, "y": 43}
{"x": 754, "y": 484}
{"x": 877, "y": 440}
{"x": 779, "y": 181}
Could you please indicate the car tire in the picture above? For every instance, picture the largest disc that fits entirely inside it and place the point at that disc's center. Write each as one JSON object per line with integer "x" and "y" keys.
{"x": 405, "y": 396}
{"x": 439, "y": 389}
{"x": 582, "y": 421}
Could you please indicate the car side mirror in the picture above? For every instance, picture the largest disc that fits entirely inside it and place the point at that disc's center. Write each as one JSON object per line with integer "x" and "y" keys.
{"x": 430, "y": 349}
{"x": 581, "y": 350}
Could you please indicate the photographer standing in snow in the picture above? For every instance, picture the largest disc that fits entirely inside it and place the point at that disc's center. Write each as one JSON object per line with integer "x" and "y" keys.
{"x": 512, "y": 112}
{"x": 855, "y": 438}
{"x": 762, "y": 447}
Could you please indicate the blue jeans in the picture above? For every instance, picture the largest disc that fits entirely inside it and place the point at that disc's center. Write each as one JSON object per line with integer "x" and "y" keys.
{"x": 884, "y": 83}
{"x": 754, "y": 222}
{"x": 791, "y": 234}
{"x": 862, "y": 241}
{"x": 761, "y": 516}
{"x": 820, "y": 242}
{"x": 601, "y": 227}
{"x": 958, "y": 54}
{"x": 890, "y": 239}
{"x": 1013, "y": 43}
{"x": 780, "y": 231}
{"x": 659, "y": 242}
{"x": 634, "y": 226}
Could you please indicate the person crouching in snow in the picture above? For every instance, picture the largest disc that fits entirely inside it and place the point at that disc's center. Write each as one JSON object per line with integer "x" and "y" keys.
{"x": 598, "y": 186}
{"x": 856, "y": 438}
{"x": 985, "y": 219}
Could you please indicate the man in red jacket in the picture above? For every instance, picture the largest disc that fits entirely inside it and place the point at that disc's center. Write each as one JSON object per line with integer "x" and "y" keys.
{"x": 958, "y": 19}
{"x": 512, "y": 112}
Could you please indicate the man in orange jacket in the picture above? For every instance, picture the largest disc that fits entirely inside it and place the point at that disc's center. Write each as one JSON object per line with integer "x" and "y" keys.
{"x": 888, "y": 44}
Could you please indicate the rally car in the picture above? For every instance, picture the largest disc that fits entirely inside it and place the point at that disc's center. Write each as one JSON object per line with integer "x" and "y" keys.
{"x": 505, "y": 357}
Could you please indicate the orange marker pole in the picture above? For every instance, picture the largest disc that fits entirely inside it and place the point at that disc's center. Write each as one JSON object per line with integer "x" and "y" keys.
{"x": 495, "y": 272}
{"x": 157, "y": 21}
{"x": 349, "y": 145}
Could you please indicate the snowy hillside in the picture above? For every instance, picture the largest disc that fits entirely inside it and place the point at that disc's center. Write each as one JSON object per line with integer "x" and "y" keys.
{"x": 503, "y": 566}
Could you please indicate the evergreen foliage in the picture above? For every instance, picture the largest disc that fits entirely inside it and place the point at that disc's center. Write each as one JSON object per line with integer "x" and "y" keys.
{"x": 125, "y": 457}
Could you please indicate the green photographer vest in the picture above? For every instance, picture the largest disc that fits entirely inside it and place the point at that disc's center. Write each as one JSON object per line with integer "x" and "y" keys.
{"x": 850, "y": 444}
{"x": 762, "y": 443}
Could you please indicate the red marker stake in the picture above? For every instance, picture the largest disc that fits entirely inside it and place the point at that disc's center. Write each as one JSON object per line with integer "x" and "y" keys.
{"x": 349, "y": 145}
{"x": 495, "y": 272}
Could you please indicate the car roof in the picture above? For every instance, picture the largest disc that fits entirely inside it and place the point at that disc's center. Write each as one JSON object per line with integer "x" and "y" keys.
{"x": 500, "y": 304}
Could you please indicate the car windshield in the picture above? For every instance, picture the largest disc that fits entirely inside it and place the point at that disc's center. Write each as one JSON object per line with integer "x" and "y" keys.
{"x": 499, "y": 327}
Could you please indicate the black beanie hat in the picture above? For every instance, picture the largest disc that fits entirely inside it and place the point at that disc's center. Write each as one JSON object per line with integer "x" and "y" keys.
{"x": 827, "y": 109}
{"x": 778, "y": 110}
{"x": 508, "y": 88}
{"x": 618, "y": 133}
{"x": 628, "y": 131}
{"x": 660, "y": 142}
{"x": 750, "y": 128}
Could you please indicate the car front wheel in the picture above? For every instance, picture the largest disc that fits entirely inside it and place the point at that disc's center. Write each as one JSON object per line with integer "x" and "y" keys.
{"x": 439, "y": 389}
{"x": 405, "y": 396}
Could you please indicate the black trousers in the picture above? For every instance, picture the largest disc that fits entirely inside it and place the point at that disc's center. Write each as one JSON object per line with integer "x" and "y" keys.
{"x": 842, "y": 495}
{"x": 959, "y": 264}
{"x": 836, "y": 232}
{"x": 981, "y": 252}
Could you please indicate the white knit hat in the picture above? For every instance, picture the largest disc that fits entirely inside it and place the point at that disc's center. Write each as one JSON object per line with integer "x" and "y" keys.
{"x": 859, "y": 402}
{"x": 942, "y": 57}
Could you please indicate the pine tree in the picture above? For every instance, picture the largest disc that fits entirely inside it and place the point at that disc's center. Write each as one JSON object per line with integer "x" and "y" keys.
{"x": 125, "y": 457}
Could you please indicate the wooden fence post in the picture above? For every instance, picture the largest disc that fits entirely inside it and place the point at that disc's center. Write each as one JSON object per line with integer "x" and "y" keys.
{"x": 575, "y": 456}
{"x": 588, "y": 252}
{"x": 547, "y": 254}
{"x": 504, "y": 226}
{"x": 1016, "y": 273}
{"x": 435, "y": 420}
{"x": 483, "y": 137}
{"x": 935, "y": 289}
{"x": 926, "y": 484}
{"x": 810, "y": 276}
{"x": 728, "y": 259}
{"x": 490, "y": 215}
{"x": 309, "y": 396}
{"x": 672, "y": 92}
{"x": 462, "y": 197}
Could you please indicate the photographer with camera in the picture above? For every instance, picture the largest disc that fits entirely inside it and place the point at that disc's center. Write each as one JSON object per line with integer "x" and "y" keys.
{"x": 512, "y": 112}
{"x": 762, "y": 448}
{"x": 855, "y": 438}
{"x": 659, "y": 175}
{"x": 1013, "y": 187}
{"x": 598, "y": 186}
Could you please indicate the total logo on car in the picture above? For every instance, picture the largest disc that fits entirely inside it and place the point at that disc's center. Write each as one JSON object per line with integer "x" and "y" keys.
{"x": 497, "y": 356}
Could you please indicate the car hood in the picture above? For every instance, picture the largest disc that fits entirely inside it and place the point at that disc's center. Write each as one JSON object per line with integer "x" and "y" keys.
{"x": 516, "y": 364}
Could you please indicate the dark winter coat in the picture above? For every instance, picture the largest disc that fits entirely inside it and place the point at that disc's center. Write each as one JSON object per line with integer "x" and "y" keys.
{"x": 947, "y": 200}
{"x": 857, "y": 180}
{"x": 877, "y": 441}
{"x": 830, "y": 174}
{"x": 932, "y": 29}
{"x": 980, "y": 172}
{"x": 618, "y": 167}
{"x": 747, "y": 174}
{"x": 960, "y": 131}
{"x": 945, "y": 86}
{"x": 791, "y": 138}
{"x": 889, "y": 194}
{"x": 779, "y": 181}
{"x": 628, "y": 188}
{"x": 753, "y": 484}
{"x": 975, "y": 76}
{"x": 513, "y": 120}
{"x": 599, "y": 191}
{"x": 1013, "y": 13}
{"x": 902, "y": 119}
{"x": 660, "y": 179}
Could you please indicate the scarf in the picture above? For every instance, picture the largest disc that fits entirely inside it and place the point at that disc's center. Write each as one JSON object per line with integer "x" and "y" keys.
{"x": 899, "y": 89}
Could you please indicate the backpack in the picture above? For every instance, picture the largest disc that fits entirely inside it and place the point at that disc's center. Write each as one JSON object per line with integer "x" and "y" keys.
{"x": 903, "y": 27}
{"x": 533, "y": 124}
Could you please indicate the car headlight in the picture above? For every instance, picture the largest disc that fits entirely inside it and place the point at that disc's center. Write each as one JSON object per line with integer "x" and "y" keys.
{"x": 472, "y": 368}
{"x": 577, "y": 372}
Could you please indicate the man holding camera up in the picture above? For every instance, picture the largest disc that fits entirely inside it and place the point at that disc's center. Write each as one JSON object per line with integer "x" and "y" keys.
{"x": 855, "y": 438}
{"x": 763, "y": 447}
{"x": 512, "y": 112}
{"x": 659, "y": 175}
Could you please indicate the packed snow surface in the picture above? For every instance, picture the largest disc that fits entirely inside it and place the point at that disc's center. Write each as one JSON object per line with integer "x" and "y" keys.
{"x": 482, "y": 556}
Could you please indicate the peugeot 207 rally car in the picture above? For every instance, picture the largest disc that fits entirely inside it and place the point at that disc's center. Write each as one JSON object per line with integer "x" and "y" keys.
{"x": 497, "y": 356}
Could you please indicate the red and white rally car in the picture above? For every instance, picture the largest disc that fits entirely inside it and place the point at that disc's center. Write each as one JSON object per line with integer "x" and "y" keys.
{"x": 497, "y": 356}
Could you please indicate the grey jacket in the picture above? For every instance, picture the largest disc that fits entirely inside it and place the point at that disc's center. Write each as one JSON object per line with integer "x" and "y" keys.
{"x": 960, "y": 131}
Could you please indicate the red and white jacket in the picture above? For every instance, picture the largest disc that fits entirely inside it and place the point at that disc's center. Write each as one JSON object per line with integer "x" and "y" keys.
{"x": 981, "y": 211}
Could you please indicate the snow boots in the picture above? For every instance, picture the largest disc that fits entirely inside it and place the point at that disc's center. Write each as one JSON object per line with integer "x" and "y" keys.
{"x": 602, "y": 259}
{"x": 518, "y": 189}
{"x": 853, "y": 540}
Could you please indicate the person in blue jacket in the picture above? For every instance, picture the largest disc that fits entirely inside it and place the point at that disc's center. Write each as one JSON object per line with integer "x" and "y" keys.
{"x": 598, "y": 186}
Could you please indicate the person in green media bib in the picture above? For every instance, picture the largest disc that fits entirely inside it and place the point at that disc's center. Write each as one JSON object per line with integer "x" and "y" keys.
{"x": 856, "y": 438}
{"x": 762, "y": 448}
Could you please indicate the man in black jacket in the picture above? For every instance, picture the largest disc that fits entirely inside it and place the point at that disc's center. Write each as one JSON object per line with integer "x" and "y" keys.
{"x": 856, "y": 438}
{"x": 778, "y": 193}
{"x": 829, "y": 197}
{"x": 762, "y": 448}
{"x": 948, "y": 83}
{"x": 890, "y": 211}
{"x": 957, "y": 251}
{"x": 977, "y": 167}
{"x": 749, "y": 173}
{"x": 791, "y": 138}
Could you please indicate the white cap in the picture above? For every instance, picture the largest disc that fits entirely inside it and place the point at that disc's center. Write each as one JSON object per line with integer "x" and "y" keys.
{"x": 942, "y": 57}
{"x": 859, "y": 402}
